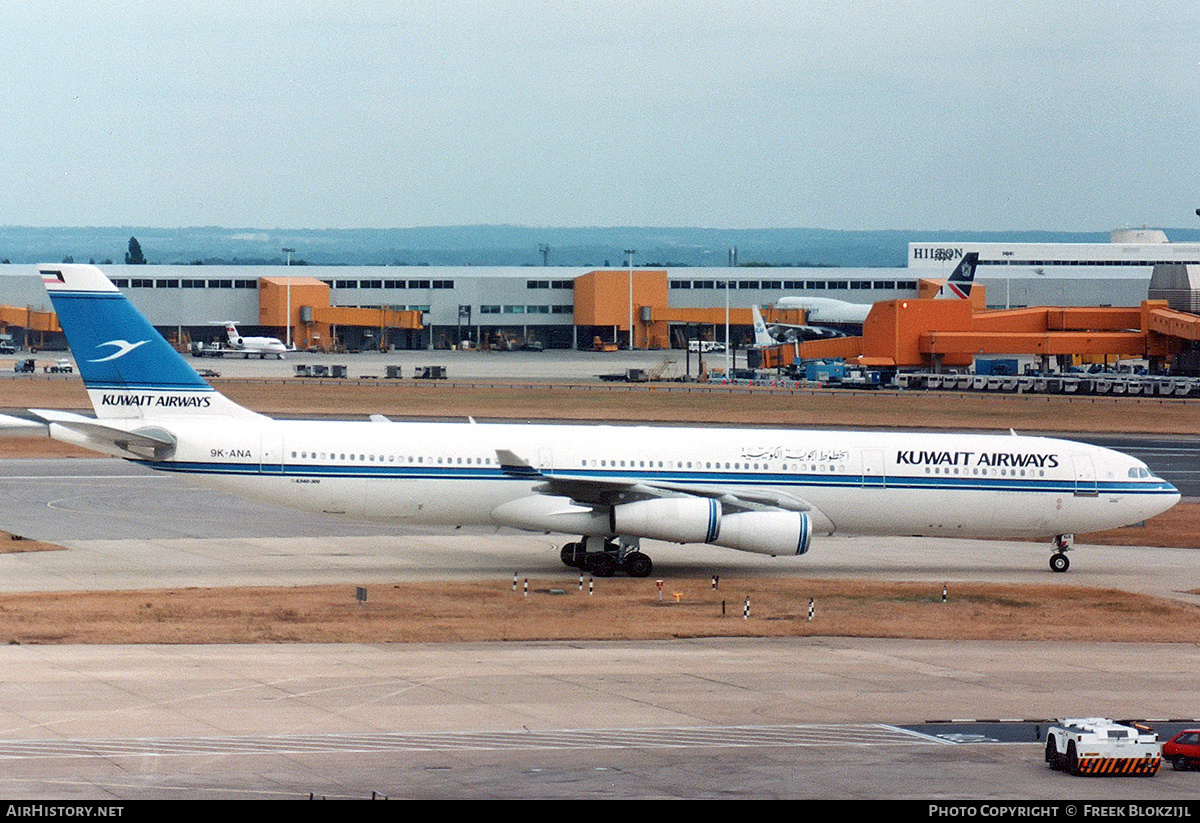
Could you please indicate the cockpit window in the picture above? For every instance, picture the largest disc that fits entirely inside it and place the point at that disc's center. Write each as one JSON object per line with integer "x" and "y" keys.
{"x": 1139, "y": 471}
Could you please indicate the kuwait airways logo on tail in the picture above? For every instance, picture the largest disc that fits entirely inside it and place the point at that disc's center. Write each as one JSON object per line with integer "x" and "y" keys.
{"x": 156, "y": 381}
{"x": 124, "y": 347}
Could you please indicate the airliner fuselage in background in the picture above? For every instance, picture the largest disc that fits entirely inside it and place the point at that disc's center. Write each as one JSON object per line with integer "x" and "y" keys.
{"x": 830, "y": 314}
{"x": 767, "y": 491}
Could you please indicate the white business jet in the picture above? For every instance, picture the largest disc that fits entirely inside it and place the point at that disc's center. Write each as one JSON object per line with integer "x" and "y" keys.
{"x": 767, "y": 491}
{"x": 247, "y": 346}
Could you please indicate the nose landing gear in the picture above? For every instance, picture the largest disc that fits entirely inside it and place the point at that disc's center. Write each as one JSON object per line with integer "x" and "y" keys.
{"x": 1059, "y": 562}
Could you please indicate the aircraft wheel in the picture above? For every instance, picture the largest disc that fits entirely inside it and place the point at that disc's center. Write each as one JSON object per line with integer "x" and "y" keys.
{"x": 601, "y": 564}
{"x": 638, "y": 564}
{"x": 571, "y": 555}
{"x": 1059, "y": 562}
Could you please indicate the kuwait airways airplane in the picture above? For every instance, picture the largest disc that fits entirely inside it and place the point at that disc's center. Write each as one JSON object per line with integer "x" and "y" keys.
{"x": 767, "y": 491}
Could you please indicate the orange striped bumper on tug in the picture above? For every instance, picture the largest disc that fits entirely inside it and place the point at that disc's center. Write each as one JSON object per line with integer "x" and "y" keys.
{"x": 1113, "y": 766}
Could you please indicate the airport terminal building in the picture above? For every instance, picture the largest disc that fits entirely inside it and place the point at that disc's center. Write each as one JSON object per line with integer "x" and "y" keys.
{"x": 433, "y": 307}
{"x": 1062, "y": 274}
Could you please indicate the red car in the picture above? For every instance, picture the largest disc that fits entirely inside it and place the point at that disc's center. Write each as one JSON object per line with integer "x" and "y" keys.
{"x": 1183, "y": 750}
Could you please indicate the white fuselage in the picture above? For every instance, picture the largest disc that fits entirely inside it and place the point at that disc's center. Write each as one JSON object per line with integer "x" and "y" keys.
{"x": 827, "y": 310}
{"x": 854, "y": 482}
{"x": 262, "y": 346}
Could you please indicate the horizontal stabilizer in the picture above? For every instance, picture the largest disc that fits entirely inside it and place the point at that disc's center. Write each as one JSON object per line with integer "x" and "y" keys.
{"x": 17, "y": 426}
{"x": 148, "y": 442}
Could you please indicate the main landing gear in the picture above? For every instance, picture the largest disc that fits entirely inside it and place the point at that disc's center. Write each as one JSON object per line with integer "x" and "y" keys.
{"x": 1059, "y": 562}
{"x": 604, "y": 557}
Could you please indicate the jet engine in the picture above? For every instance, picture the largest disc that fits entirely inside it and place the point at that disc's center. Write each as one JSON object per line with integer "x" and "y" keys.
{"x": 702, "y": 520}
{"x": 674, "y": 519}
{"x": 771, "y": 532}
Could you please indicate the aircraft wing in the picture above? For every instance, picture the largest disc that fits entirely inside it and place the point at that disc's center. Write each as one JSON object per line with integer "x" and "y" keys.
{"x": 782, "y": 331}
{"x": 592, "y": 491}
{"x": 148, "y": 442}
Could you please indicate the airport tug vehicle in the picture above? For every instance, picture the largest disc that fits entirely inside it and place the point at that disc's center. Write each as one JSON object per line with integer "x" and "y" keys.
{"x": 1098, "y": 746}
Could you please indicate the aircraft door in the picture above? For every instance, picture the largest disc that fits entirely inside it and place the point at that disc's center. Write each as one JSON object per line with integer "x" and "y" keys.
{"x": 1085, "y": 475}
{"x": 271, "y": 454}
{"x": 873, "y": 471}
{"x": 546, "y": 460}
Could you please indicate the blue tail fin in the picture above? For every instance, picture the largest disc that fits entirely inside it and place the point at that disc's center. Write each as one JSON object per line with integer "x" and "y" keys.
{"x": 128, "y": 368}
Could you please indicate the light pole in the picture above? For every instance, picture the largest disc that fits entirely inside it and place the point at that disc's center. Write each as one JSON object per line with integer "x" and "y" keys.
{"x": 630, "y": 253}
{"x": 728, "y": 352}
{"x": 289, "y": 297}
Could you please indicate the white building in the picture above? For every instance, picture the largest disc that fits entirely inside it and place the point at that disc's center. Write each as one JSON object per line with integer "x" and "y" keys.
{"x": 1060, "y": 274}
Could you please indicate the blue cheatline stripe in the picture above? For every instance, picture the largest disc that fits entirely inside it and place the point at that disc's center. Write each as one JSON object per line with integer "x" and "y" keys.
{"x": 346, "y": 470}
{"x": 102, "y": 386}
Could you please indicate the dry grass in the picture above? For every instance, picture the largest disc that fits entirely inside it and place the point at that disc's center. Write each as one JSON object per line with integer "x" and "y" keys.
{"x": 15, "y": 544}
{"x": 620, "y": 609}
{"x": 667, "y": 403}
{"x": 1178, "y": 528}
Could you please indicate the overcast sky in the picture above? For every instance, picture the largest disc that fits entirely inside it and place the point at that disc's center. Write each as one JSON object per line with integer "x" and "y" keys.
{"x": 797, "y": 113}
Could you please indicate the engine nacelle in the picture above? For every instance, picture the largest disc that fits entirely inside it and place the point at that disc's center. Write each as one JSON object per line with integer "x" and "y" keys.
{"x": 542, "y": 513}
{"x": 702, "y": 520}
{"x": 773, "y": 533}
{"x": 674, "y": 519}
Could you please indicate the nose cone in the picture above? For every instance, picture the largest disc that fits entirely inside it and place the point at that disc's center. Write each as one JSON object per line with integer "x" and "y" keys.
{"x": 1172, "y": 496}
{"x": 1164, "y": 497}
